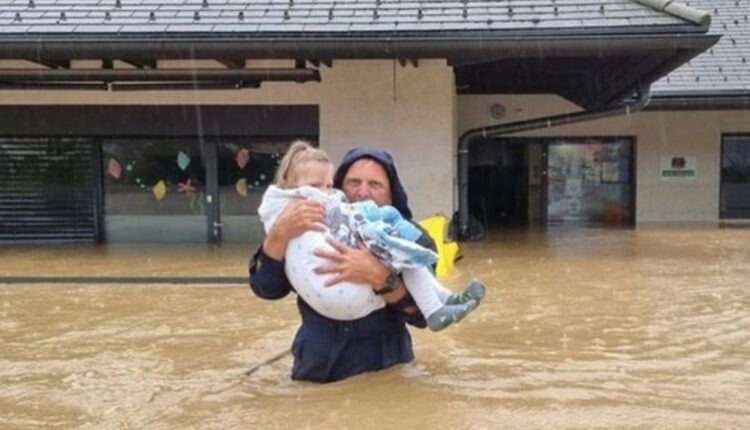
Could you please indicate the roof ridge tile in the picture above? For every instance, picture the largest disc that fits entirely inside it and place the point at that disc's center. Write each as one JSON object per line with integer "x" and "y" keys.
{"x": 680, "y": 10}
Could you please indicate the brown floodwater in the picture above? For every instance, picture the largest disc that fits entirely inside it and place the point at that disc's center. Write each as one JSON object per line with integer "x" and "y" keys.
{"x": 646, "y": 328}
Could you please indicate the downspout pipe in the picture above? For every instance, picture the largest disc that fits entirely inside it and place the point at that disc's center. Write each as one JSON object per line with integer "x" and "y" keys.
{"x": 643, "y": 96}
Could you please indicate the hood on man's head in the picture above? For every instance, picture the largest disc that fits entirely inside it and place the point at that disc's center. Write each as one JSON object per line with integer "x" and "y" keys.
{"x": 398, "y": 195}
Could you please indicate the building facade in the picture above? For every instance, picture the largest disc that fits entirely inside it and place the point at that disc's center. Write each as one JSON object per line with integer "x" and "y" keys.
{"x": 148, "y": 121}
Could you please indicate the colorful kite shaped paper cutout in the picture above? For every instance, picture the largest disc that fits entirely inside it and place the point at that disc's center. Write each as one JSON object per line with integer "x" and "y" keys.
{"x": 114, "y": 168}
{"x": 242, "y": 158}
{"x": 186, "y": 187}
{"x": 241, "y": 187}
{"x": 183, "y": 160}
{"x": 160, "y": 190}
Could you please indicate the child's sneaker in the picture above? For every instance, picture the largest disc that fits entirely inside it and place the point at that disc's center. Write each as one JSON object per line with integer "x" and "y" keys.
{"x": 475, "y": 290}
{"x": 449, "y": 314}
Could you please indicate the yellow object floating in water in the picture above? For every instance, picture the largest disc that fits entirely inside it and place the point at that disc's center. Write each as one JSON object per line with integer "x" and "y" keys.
{"x": 435, "y": 226}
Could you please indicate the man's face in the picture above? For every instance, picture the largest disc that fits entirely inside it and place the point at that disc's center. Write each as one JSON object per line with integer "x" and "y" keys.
{"x": 367, "y": 179}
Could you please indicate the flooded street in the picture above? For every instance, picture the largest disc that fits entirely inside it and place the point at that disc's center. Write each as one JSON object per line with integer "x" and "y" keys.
{"x": 630, "y": 329}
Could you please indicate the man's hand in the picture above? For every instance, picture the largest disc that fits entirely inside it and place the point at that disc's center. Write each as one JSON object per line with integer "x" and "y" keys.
{"x": 356, "y": 265}
{"x": 349, "y": 264}
{"x": 299, "y": 216}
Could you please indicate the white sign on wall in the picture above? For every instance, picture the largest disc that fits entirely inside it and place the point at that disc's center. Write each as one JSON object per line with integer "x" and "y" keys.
{"x": 678, "y": 168}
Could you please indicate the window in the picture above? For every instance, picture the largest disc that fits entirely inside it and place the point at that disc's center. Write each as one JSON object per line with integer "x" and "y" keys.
{"x": 154, "y": 190}
{"x": 735, "y": 177}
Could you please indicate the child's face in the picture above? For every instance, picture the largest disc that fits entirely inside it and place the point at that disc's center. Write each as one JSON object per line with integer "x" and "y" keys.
{"x": 314, "y": 174}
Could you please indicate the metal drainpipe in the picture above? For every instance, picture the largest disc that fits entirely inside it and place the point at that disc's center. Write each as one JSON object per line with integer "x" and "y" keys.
{"x": 640, "y": 102}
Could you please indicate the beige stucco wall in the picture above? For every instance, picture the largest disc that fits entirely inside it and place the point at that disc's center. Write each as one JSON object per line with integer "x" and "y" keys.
{"x": 416, "y": 115}
{"x": 657, "y": 134}
{"x": 406, "y": 110}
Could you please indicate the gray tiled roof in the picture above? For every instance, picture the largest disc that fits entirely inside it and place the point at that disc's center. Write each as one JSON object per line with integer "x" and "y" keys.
{"x": 34, "y": 17}
{"x": 726, "y": 66}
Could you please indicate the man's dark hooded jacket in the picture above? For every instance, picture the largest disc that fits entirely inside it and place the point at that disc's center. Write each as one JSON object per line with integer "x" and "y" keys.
{"x": 328, "y": 350}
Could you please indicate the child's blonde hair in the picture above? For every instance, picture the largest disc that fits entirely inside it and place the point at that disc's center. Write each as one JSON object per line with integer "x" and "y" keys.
{"x": 299, "y": 152}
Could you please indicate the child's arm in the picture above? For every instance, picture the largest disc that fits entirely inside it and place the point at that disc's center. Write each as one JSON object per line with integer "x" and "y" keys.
{"x": 267, "y": 277}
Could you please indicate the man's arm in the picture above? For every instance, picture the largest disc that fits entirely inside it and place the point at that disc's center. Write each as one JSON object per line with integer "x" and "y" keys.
{"x": 267, "y": 277}
{"x": 360, "y": 266}
{"x": 407, "y": 311}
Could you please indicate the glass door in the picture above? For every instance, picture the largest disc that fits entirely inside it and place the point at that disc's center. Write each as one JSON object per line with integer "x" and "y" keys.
{"x": 589, "y": 182}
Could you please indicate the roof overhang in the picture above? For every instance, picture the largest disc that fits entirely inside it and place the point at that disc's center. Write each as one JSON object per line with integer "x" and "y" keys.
{"x": 454, "y": 47}
{"x": 592, "y": 70}
{"x": 594, "y": 73}
{"x": 701, "y": 100}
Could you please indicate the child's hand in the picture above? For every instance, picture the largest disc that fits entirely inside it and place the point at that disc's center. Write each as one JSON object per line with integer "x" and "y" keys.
{"x": 299, "y": 216}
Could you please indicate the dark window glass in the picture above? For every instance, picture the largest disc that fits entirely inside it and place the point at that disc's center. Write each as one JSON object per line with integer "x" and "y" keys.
{"x": 245, "y": 170}
{"x": 153, "y": 177}
{"x": 735, "y": 177}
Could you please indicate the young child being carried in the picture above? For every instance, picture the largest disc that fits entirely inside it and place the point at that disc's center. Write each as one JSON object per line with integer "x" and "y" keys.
{"x": 307, "y": 172}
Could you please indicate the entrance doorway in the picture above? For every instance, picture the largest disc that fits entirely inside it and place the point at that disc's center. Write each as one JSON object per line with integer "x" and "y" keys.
{"x": 577, "y": 181}
{"x": 589, "y": 182}
{"x": 498, "y": 183}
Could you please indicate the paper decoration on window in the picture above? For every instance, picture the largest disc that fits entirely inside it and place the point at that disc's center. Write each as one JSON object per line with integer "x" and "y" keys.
{"x": 186, "y": 187}
{"x": 241, "y": 187}
{"x": 129, "y": 167}
{"x": 242, "y": 158}
{"x": 160, "y": 190}
{"x": 137, "y": 180}
{"x": 262, "y": 177}
{"x": 114, "y": 168}
{"x": 183, "y": 160}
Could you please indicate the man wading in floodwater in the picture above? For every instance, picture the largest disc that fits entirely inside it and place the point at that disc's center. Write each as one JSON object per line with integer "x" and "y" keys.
{"x": 324, "y": 349}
